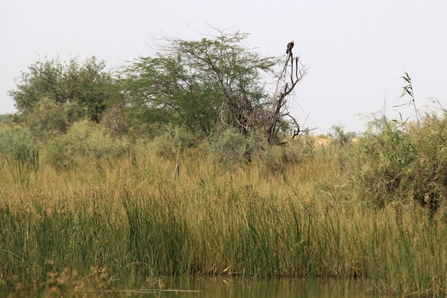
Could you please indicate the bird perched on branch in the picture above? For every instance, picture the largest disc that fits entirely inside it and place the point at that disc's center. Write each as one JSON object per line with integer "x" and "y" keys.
{"x": 290, "y": 47}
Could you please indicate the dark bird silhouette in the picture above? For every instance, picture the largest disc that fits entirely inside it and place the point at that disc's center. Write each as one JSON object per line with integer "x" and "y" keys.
{"x": 290, "y": 47}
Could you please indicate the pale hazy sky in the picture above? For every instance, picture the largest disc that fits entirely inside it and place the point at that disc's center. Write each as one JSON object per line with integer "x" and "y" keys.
{"x": 356, "y": 50}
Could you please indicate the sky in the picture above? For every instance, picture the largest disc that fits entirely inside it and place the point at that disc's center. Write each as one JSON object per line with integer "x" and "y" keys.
{"x": 355, "y": 51}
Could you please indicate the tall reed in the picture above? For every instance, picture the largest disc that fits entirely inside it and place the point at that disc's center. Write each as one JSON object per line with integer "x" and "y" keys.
{"x": 127, "y": 222}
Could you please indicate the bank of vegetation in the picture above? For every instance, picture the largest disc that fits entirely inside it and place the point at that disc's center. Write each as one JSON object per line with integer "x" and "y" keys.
{"x": 186, "y": 165}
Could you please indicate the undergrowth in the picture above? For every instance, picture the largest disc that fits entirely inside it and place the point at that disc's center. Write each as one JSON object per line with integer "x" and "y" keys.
{"x": 114, "y": 212}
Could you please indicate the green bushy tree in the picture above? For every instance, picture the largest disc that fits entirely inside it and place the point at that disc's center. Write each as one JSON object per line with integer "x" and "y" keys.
{"x": 79, "y": 90}
{"x": 207, "y": 85}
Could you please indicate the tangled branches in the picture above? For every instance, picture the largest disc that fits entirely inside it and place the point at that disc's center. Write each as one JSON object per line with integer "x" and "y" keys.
{"x": 277, "y": 107}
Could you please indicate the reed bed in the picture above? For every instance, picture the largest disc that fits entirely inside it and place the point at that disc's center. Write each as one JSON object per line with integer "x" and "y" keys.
{"x": 129, "y": 221}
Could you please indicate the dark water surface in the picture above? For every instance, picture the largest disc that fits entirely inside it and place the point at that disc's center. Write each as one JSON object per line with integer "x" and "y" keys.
{"x": 224, "y": 287}
{"x": 221, "y": 287}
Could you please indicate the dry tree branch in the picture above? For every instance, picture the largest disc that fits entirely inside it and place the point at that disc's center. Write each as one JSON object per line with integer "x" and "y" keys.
{"x": 279, "y": 99}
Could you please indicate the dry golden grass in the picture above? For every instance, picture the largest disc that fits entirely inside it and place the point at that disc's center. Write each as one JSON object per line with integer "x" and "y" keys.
{"x": 270, "y": 218}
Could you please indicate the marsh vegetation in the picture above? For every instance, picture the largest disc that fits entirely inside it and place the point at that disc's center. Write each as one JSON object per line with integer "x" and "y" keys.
{"x": 108, "y": 194}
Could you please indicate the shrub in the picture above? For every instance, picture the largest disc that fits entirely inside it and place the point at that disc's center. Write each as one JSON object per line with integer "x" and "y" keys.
{"x": 429, "y": 173}
{"x": 229, "y": 147}
{"x": 49, "y": 119}
{"x": 20, "y": 152}
{"x": 85, "y": 140}
{"x": 173, "y": 141}
{"x": 405, "y": 161}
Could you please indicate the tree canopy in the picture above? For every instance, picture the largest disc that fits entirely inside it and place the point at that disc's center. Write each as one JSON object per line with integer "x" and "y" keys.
{"x": 206, "y": 86}
{"x": 86, "y": 87}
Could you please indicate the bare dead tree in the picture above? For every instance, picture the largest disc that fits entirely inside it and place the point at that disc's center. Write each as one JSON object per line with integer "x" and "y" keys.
{"x": 277, "y": 108}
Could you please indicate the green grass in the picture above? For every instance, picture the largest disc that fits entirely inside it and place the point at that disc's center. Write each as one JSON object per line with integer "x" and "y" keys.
{"x": 124, "y": 223}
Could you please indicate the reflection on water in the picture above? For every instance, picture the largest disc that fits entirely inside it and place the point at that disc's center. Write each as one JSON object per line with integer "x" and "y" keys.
{"x": 220, "y": 287}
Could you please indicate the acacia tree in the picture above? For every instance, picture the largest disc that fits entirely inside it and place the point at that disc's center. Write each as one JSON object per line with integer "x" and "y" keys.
{"x": 207, "y": 85}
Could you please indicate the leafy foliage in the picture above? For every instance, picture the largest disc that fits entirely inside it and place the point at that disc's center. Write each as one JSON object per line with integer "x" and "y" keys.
{"x": 206, "y": 85}
{"x": 4, "y": 117}
{"x": 172, "y": 141}
{"x": 19, "y": 152}
{"x": 230, "y": 148}
{"x": 406, "y": 161}
{"x": 84, "y": 142}
{"x": 86, "y": 88}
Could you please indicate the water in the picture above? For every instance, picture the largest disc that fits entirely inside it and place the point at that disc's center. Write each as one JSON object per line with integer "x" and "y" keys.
{"x": 224, "y": 287}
